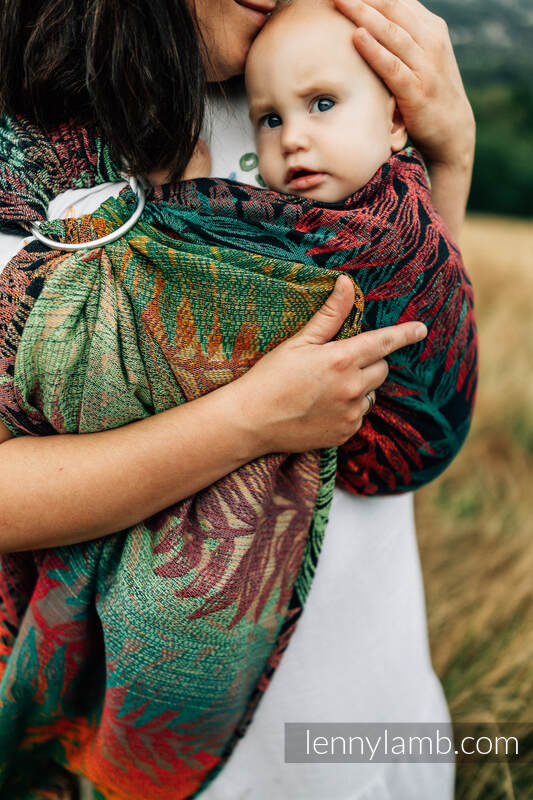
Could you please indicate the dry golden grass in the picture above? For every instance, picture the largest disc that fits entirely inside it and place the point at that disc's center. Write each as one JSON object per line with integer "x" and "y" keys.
{"x": 475, "y": 523}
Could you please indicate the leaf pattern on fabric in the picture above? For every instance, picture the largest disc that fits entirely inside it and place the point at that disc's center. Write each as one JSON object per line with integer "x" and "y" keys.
{"x": 138, "y": 659}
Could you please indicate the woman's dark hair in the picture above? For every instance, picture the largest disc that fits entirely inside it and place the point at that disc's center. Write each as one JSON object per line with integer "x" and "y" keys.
{"x": 133, "y": 68}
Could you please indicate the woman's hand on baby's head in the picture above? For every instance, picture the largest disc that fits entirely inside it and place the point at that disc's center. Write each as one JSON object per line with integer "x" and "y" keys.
{"x": 410, "y": 49}
{"x": 311, "y": 392}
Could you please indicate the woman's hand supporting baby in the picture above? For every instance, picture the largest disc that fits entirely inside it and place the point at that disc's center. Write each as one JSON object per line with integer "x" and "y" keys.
{"x": 409, "y": 47}
{"x": 308, "y": 392}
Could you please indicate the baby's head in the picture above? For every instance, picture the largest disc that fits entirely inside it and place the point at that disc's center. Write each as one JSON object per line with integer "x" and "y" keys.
{"x": 324, "y": 122}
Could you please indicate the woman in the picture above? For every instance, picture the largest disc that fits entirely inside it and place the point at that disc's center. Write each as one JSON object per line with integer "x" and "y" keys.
{"x": 227, "y": 32}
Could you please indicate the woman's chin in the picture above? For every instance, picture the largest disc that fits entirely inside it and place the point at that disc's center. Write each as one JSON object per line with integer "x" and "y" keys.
{"x": 241, "y": 26}
{"x": 229, "y": 68}
{"x": 223, "y": 74}
{"x": 256, "y": 13}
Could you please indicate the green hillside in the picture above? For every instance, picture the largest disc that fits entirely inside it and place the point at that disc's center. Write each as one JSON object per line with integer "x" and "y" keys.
{"x": 493, "y": 41}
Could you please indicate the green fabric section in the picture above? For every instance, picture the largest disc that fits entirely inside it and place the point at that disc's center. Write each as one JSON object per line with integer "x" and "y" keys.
{"x": 191, "y": 602}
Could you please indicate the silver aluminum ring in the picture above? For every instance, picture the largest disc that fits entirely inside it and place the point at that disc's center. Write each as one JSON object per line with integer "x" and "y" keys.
{"x": 111, "y": 237}
{"x": 371, "y": 397}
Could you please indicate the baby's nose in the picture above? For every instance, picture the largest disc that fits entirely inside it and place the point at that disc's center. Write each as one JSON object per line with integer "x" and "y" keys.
{"x": 294, "y": 138}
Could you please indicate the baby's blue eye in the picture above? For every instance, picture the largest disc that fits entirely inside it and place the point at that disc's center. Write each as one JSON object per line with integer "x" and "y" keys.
{"x": 271, "y": 121}
{"x": 323, "y": 104}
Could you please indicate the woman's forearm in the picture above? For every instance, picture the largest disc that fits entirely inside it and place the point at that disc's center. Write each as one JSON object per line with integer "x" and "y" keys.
{"x": 307, "y": 393}
{"x": 59, "y": 490}
{"x": 450, "y": 186}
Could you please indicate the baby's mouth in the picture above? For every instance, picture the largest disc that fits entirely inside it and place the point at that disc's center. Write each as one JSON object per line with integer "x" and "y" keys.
{"x": 299, "y": 179}
{"x": 297, "y": 172}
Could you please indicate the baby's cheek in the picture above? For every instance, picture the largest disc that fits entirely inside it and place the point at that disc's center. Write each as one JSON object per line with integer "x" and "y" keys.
{"x": 266, "y": 166}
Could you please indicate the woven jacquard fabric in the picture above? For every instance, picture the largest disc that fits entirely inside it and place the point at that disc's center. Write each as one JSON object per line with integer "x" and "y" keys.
{"x": 138, "y": 659}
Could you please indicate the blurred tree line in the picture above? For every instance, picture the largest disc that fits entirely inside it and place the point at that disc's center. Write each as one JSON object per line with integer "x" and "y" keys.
{"x": 502, "y": 182}
{"x": 493, "y": 42}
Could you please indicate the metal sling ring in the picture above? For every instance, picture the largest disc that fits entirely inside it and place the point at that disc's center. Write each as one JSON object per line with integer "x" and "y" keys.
{"x": 111, "y": 237}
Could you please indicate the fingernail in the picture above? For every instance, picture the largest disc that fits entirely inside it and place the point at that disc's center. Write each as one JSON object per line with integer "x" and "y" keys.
{"x": 421, "y": 331}
{"x": 338, "y": 286}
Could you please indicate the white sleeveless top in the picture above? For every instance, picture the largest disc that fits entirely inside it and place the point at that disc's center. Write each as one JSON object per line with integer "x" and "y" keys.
{"x": 360, "y": 650}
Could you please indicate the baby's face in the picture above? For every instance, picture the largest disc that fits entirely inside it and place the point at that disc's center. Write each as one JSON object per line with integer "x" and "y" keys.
{"x": 323, "y": 120}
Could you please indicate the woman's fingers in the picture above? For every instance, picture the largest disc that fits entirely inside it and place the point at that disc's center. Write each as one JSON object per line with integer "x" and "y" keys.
{"x": 390, "y": 23}
{"x": 328, "y": 320}
{"x": 370, "y": 398}
{"x": 400, "y": 78}
{"x": 410, "y": 15}
{"x": 425, "y": 81}
{"x": 370, "y": 378}
{"x": 371, "y": 346}
{"x": 386, "y": 39}
{"x": 421, "y": 12}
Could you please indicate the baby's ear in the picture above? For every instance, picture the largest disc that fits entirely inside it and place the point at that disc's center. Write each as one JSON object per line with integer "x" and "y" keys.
{"x": 398, "y": 131}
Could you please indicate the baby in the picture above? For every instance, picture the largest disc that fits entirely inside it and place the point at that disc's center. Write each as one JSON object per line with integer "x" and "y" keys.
{"x": 328, "y": 130}
{"x": 346, "y": 194}
{"x": 323, "y": 120}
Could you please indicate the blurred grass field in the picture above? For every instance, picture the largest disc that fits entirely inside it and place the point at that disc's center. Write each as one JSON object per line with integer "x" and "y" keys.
{"x": 475, "y": 523}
